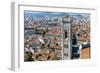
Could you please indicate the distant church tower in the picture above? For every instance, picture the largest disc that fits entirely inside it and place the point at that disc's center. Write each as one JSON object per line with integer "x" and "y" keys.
{"x": 66, "y": 25}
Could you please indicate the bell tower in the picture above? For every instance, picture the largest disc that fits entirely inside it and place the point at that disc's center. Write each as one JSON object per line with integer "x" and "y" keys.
{"x": 66, "y": 28}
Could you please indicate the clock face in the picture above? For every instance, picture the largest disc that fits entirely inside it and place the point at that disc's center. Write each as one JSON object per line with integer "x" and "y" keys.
{"x": 56, "y": 35}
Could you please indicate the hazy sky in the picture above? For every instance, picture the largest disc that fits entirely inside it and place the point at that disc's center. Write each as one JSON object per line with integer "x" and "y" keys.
{"x": 39, "y": 14}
